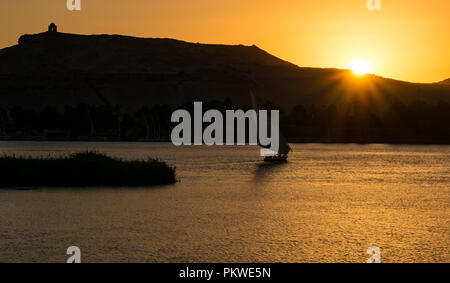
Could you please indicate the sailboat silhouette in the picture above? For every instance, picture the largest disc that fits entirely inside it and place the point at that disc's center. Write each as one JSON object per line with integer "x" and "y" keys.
{"x": 284, "y": 148}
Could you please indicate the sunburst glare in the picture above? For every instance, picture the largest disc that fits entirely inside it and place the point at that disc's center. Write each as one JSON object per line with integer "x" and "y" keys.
{"x": 360, "y": 67}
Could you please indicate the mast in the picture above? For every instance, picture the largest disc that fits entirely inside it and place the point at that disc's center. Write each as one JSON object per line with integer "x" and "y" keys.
{"x": 284, "y": 147}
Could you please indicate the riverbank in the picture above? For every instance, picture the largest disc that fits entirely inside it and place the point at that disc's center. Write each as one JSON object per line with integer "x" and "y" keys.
{"x": 84, "y": 169}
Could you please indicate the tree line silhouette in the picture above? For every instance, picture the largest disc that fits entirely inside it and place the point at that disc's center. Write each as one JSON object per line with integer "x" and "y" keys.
{"x": 356, "y": 122}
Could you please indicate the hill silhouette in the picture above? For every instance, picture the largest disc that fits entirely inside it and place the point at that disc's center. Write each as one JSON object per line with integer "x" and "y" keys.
{"x": 445, "y": 82}
{"x": 55, "y": 69}
{"x": 124, "y": 86}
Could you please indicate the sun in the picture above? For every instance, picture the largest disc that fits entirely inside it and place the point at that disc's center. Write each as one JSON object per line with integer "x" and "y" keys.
{"x": 360, "y": 67}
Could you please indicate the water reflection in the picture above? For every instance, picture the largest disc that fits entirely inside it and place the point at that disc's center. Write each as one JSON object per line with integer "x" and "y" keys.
{"x": 266, "y": 170}
{"x": 328, "y": 203}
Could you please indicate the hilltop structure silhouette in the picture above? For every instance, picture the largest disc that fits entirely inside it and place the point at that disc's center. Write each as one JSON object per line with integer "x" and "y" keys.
{"x": 52, "y": 28}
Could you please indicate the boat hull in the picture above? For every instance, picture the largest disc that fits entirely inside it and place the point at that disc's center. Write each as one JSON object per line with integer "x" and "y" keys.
{"x": 275, "y": 159}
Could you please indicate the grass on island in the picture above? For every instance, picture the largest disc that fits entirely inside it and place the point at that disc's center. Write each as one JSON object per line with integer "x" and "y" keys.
{"x": 82, "y": 169}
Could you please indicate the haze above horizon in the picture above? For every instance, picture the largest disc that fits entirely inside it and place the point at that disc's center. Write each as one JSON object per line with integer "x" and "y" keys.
{"x": 406, "y": 40}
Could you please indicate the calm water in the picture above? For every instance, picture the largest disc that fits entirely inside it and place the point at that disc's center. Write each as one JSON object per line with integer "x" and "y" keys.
{"x": 329, "y": 203}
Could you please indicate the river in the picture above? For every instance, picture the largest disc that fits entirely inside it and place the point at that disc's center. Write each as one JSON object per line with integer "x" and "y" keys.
{"x": 328, "y": 203}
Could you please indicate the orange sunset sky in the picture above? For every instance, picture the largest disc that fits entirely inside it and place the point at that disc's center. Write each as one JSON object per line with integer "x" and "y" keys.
{"x": 406, "y": 40}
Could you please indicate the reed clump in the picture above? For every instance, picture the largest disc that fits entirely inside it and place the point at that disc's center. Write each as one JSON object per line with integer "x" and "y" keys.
{"x": 83, "y": 169}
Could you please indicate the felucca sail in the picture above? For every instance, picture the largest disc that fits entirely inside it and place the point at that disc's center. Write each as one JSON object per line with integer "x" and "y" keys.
{"x": 284, "y": 147}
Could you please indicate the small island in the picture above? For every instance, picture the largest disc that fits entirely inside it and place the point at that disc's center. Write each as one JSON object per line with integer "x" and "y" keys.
{"x": 86, "y": 169}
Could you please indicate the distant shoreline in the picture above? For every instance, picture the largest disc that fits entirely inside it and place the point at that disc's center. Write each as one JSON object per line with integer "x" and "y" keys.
{"x": 290, "y": 140}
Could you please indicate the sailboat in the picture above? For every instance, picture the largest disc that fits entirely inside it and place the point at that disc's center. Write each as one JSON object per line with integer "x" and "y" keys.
{"x": 284, "y": 148}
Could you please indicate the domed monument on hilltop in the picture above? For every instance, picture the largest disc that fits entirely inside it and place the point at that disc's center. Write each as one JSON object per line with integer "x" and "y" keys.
{"x": 52, "y": 28}
{"x": 49, "y": 34}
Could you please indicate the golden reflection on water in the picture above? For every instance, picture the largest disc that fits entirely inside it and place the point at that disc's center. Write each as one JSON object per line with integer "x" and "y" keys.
{"x": 329, "y": 203}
